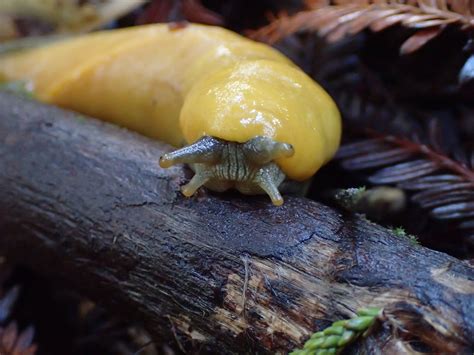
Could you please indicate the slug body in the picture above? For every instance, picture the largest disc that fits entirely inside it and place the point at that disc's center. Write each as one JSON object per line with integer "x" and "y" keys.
{"x": 244, "y": 114}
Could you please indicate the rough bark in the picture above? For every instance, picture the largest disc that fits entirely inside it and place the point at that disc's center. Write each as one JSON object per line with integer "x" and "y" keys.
{"x": 223, "y": 272}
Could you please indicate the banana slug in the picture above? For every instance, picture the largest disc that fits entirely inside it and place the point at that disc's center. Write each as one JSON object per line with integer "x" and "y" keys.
{"x": 241, "y": 114}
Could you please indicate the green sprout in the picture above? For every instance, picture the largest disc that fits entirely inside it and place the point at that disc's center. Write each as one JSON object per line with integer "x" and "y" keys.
{"x": 335, "y": 338}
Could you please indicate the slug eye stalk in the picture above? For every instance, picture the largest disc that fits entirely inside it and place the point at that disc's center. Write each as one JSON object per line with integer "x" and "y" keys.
{"x": 220, "y": 165}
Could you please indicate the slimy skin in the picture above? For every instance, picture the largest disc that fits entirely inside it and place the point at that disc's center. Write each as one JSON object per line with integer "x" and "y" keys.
{"x": 245, "y": 116}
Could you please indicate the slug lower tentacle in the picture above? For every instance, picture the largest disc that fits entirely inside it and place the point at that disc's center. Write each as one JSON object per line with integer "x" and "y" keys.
{"x": 247, "y": 115}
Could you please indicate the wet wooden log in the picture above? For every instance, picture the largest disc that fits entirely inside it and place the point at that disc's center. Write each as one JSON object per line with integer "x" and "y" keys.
{"x": 87, "y": 201}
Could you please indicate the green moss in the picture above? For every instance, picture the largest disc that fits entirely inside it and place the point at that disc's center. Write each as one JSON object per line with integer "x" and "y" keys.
{"x": 400, "y": 232}
{"x": 348, "y": 198}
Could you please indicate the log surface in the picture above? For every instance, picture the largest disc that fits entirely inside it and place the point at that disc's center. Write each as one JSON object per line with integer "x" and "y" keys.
{"x": 220, "y": 272}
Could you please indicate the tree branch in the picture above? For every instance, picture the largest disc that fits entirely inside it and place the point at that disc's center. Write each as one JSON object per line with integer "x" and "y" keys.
{"x": 229, "y": 273}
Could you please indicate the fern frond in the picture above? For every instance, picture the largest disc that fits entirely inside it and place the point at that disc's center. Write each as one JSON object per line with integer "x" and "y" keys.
{"x": 171, "y": 11}
{"x": 7, "y": 302}
{"x": 13, "y": 342}
{"x": 440, "y": 184}
{"x": 395, "y": 149}
{"x": 337, "y": 19}
{"x": 398, "y": 137}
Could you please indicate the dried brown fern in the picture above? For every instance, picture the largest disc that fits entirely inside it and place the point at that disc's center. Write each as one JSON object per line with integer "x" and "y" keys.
{"x": 442, "y": 184}
{"x": 421, "y": 145}
{"x": 13, "y": 342}
{"x": 337, "y": 19}
{"x": 67, "y": 323}
{"x": 178, "y": 10}
{"x": 422, "y": 156}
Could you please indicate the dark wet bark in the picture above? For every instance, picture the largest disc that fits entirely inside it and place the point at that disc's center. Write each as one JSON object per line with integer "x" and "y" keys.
{"x": 87, "y": 201}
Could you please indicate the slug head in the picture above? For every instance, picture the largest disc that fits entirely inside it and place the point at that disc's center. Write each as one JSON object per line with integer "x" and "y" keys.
{"x": 220, "y": 165}
{"x": 264, "y": 98}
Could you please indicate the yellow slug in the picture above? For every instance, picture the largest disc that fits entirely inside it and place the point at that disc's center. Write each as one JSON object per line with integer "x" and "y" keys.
{"x": 244, "y": 115}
